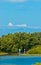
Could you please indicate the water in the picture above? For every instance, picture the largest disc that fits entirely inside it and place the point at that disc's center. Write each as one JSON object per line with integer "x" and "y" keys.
{"x": 18, "y": 60}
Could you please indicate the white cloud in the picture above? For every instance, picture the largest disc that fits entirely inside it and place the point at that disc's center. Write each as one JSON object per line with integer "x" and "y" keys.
{"x": 10, "y": 24}
{"x": 21, "y": 25}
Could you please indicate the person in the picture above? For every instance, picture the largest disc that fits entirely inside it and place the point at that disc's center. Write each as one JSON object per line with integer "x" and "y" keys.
{"x": 19, "y": 51}
{"x": 24, "y": 51}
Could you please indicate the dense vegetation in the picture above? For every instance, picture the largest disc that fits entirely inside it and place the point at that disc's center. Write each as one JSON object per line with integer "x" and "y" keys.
{"x": 35, "y": 50}
{"x": 37, "y": 64}
{"x": 12, "y": 42}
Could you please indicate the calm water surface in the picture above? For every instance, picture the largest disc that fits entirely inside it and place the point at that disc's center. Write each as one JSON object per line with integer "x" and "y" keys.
{"x": 18, "y": 60}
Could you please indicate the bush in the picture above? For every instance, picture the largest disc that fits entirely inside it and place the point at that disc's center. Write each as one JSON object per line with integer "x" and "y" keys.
{"x": 35, "y": 50}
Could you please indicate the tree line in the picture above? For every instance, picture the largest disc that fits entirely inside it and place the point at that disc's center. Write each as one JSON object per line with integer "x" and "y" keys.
{"x": 10, "y": 43}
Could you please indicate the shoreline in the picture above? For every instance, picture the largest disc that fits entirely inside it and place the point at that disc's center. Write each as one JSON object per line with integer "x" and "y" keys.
{"x": 15, "y": 54}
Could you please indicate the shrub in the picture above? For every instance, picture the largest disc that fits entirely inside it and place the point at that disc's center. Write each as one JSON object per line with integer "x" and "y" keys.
{"x": 35, "y": 50}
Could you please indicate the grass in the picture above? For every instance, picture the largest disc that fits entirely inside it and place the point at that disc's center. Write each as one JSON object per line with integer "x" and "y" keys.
{"x": 15, "y": 54}
{"x": 3, "y": 53}
{"x": 30, "y": 54}
{"x": 38, "y": 63}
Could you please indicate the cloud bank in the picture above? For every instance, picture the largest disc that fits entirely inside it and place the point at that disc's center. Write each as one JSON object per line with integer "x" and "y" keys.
{"x": 10, "y": 25}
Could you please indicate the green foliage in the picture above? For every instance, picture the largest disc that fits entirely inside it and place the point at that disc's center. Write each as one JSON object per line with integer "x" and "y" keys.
{"x": 35, "y": 50}
{"x": 14, "y": 49}
{"x": 37, "y": 63}
{"x": 12, "y": 42}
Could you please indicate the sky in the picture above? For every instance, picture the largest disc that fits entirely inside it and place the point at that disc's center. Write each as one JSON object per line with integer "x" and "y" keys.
{"x": 20, "y": 16}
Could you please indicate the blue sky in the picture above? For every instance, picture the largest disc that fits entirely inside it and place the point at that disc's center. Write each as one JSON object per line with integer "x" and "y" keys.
{"x": 20, "y": 16}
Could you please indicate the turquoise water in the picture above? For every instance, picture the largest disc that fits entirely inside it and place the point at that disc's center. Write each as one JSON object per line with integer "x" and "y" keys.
{"x": 18, "y": 60}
